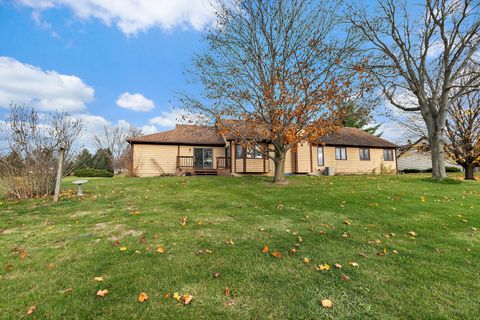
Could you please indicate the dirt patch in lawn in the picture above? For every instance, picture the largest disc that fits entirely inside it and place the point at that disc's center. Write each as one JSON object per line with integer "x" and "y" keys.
{"x": 115, "y": 231}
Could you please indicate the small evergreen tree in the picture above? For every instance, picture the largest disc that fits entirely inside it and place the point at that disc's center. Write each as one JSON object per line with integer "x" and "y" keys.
{"x": 84, "y": 159}
{"x": 360, "y": 118}
{"x": 102, "y": 160}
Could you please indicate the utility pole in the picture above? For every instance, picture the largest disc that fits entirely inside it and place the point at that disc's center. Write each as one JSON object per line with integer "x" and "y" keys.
{"x": 61, "y": 159}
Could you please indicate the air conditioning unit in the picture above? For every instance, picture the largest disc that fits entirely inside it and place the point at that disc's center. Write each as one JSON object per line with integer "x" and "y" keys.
{"x": 329, "y": 171}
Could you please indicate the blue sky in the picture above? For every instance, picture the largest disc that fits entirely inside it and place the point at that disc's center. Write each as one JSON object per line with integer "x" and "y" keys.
{"x": 105, "y": 61}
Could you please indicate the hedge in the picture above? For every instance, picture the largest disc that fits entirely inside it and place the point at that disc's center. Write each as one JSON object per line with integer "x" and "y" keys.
{"x": 88, "y": 172}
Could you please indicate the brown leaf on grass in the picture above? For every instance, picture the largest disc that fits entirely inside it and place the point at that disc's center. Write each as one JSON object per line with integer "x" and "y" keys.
{"x": 116, "y": 243}
{"x": 413, "y": 233}
{"x": 99, "y": 279}
{"x": 227, "y": 291}
{"x": 394, "y": 251}
{"x": 216, "y": 274}
{"x": 337, "y": 265}
{"x": 51, "y": 266}
{"x": 123, "y": 248}
{"x": 326, "y": 303}
{"x": 22, "y": 254}
{"x": 135, "y": 212}
{"x": 160, "y": 249}
{"x": 166, "y": 296}
{"x": 293, "y": 251}
{"x": 32, "y": 309}
{"x": 277, "y": 254}
{"x": 183, "y": 221}
{"x": 229, "y": 242}
{"x": 354, "y": 264}
{"x": 143, "y": 239}
{"x": 186, "y": 298}
{"x": 306, "y": 260}
{"x": 347, "y": 222}
{"x": 300, "y": 239}
{"x": 344, "y": 277}
{"x": 68, "y": 290}
{"x": 9, "y": 267}
{"x": 142, "y": 297}
{"x": 265, "y": 249}
{"x": 102, "y": 293}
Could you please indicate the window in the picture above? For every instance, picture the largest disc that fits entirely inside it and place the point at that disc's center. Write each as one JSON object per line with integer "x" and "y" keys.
{"x": 239, "y": 153}
{"x": 254, "y": 152}
{"x": 340, "y": 153}
{"x": 320, "y": 160}
{"x": 388, "y": 154}
{"x": 364, "y": 154}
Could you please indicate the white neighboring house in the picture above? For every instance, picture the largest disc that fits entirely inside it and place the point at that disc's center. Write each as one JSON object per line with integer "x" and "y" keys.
{"x": 417, "y": 156}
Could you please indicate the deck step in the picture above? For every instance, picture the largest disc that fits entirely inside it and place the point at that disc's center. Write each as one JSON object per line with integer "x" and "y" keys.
{"x": 207, "y": 172}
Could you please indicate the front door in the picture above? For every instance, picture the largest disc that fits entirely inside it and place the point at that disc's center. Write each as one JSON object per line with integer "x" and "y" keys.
{"x": 203, "y": 158}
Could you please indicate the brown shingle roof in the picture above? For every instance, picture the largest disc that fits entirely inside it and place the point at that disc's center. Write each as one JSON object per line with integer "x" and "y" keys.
{"x": 356, "y": 138}
{"x": 205, "y": 135}
{"x": 183, "y": 134}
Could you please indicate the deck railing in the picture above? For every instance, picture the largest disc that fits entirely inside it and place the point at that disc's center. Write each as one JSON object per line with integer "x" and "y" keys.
{"x": 184, "y": 162}
{"x": 223, "y": 163}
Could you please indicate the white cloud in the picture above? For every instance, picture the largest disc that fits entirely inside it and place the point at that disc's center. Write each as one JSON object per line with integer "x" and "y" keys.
{"x": 133, "y": 16}
{"x": 135, "y": 102}
{"x": 168, "y": 119}
{"x": 45, "y": 90}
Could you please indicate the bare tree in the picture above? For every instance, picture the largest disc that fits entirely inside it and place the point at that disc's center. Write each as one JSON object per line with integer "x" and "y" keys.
{"x": 114, "y": 139}
{"x": 463, "y": 133}
{"x": 281, "y": 68}
{"x": 423, "y": 49}
{"x": 29, "y": 169}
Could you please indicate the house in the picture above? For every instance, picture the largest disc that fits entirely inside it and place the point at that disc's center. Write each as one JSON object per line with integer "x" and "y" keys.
{"x": 417, "y": 156}
{"x": 194, "y": 149}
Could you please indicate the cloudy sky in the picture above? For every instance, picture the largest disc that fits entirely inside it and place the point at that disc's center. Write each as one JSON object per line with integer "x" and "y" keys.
{"x": 117, "y": 62}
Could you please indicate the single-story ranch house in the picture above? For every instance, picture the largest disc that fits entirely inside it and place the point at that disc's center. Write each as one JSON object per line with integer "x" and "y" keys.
{"x": 194, "y": 149}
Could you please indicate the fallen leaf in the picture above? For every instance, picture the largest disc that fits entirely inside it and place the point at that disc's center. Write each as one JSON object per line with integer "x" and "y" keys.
{"x": 116, "y": 243}
{"x": 68, "y": 290}
{"x": 227, "y": 291}
{"x": 230, "y": 242}
{"x": 32, "y": 309}
{"x": 265, "y": 249}
{"x": 99, "y": 279}
{"x": 51, "y": 266}
{"x": 306, "y": 260}
{"x": 143, "y": 239}
{"x": 354, "y": 264}
{"x": 142, "y": 297}
{"x": 135, "y": 212}
{"x": 413, "y": 233}
{"x": 326, "y": 303}
{"x": 338, "y": 266}
{"x": 300, "y": 239}
{"x": 176, "y": 296}
{"x": 293, "y": 251}
{"x": 166, "y": 296}
{"x": 277, "y": 254}
{"x": 9, "y": 267}
{"x": 183, "y": 221}
{"x": 216, "y": 274}
{"x": 394, "y": 251}
{"x": 123, "y": 248}
{"x": 102, "y": 293}
{"x": 22, "y": 254}
{"x": 323, "y": 267}
{"x": 186, "y": 298}
{"x": 160, "y": 249}
{"x": 347, "y": 222}
{"x": 344, "y": 277}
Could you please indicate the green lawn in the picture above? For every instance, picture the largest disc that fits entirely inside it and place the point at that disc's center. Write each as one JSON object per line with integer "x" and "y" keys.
{"x": 434, "y": 275}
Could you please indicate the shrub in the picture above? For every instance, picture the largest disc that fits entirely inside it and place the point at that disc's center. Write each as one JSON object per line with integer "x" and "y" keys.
{"x": 89, "y": 172}
{"x": 411, "y": 170}
{"x": 447, "y": 169}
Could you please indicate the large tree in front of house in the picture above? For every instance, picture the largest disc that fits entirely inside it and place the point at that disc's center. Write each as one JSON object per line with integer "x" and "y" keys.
{"x": 280, "y": 66}
{"x": 423, "y": 49}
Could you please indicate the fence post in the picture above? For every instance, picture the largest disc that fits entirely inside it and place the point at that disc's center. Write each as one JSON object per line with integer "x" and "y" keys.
{"x": 61, "y": 159}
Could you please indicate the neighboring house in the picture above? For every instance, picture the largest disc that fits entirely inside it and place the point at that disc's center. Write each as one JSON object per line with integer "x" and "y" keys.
{"x": 417, "y": 155}
{"x": 193, "y": 149}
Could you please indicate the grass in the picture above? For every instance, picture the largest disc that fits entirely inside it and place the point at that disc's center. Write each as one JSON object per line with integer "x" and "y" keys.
{"x": 435, "y": 274}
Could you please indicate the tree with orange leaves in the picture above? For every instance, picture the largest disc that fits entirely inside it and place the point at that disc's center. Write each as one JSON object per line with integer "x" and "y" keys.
{"x": 280, "y": 67}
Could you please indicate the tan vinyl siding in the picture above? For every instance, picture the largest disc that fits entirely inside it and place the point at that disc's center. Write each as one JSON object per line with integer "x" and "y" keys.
{"x": 353, "y": 164}
{"x": 154, "y": 160}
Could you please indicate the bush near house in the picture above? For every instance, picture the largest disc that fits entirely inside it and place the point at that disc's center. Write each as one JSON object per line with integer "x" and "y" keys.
{"x": 448, "y": 169}
{"x": 90, "y": 172}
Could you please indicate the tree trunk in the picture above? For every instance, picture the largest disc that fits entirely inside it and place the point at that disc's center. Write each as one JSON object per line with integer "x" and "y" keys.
{"x": 279, "y": 177}
{"x": 469, "y": 172}
{"x": 437, "y": 153}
